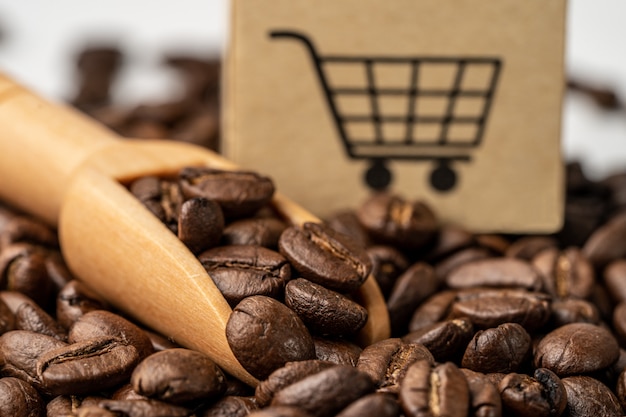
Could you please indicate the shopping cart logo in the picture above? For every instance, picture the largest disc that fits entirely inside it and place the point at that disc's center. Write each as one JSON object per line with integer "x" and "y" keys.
{"x": 429, "y": 123}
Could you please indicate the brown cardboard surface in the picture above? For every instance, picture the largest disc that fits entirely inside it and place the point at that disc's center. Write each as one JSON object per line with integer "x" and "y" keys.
{"x": 279, "y": 120}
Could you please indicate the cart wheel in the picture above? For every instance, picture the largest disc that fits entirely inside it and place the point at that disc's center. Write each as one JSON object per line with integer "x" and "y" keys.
{"x": 378, "y": 175}
{"x": 443, "y": 178}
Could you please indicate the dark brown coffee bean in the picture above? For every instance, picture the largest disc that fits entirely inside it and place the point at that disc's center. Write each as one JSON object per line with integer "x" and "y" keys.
{"x": 146, "y": 188}
{"x": 126, "y": 392}
{"x": 29, "y": 316}
{"x": 7, "y": 318}
{"x": 387, "y": 361}
{"x": 163, "y": 198}
{"x": 239, "y": 193}
{"x": 282, "y": 377}
{"x": 620, "y": 389}
{"x": 199, "y": 128}
{"x": 449, "y": 240}
{"x": 496, "y": 244}
{"x": 441, "y": 390}
{"x": 528, "y": 247}
{"x": 484, "y": 396}
{"x": 565, "y": 274}
{"x": 412, "y": 287}
{"x": 377, "y": 404}
{"x": 447, "y": 265}
{"x": 619, "y": 322}
{"x": 615, "y": 280}
{"x": 22, "y": 229}
{"x": 324, "y": 311}
{"x": 164, "y": 112}
{"x": 160, "y": 342}
{"x": 240, "y": 271}
{"x": 496, "y": 273}
{"x": 608, "y": 242}
{"x": 525, "y": 396}
{"x": 200, "y": 224}
{"x": 19, "y": 351}
{"x": 93, "y": 411}
{"x": 347, "y": 222}
{"x": 390, "y": 219}
{"x": 587, "y": 396}
{"x": 144, "y": 408}
{"x": 275, "y": 331}
{"x": 325, "y": 393}
{"x": 337, "y": 351}
{"x": 500, "y": 349}
{"x": 231, "y": 406}
{"x": 444, "y": 339}
{"x": 74, "y": 300}
{"x": 577, "y": 348}
{"x": 280, "y": 411}
{"x": 19, "y": 399}
{"x": 23, "y": 269}
{"x": 178, "y": 376}
{"x": 488, "y": 308}
{"x": 58, "y": 272}
{"x": 434, "y": 309}
{"x": 258, "y": 232}
{"x": 325, "y": 256}
{"x": 87, "y": 366}
{"x": 572, "y": 310}
{"x": 104, "y": 323}
{"x": 388, "y": 264}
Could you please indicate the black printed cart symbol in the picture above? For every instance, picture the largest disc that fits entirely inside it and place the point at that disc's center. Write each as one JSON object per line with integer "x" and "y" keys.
{"x": 443, "y": 136}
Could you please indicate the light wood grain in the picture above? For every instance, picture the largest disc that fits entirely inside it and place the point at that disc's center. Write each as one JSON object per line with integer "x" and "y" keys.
{"x": 69, "y": 170}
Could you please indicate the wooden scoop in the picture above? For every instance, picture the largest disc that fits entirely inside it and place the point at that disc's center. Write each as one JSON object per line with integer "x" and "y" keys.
{"x": 67, "y": 169}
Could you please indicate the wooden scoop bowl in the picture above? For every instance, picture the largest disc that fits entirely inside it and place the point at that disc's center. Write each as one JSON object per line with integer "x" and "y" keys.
{"x": 67, "y": 169}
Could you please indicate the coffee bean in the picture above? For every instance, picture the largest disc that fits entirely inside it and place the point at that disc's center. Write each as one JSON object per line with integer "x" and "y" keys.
{"x": 577, "y": 348}
{"x": 178, "y": 376}
{"x": 615, "y": 280}
{"x": 528, "y": 247}
{"x": 239, "y": 193}
{"x": 444, "y": 267}
{"x": 22, "y": 229}
{"x": 441, "y": 390}
{"x": 87, "y": 366}
{"x": 163, "y": 198}
{"x": 347, "y": 223}
{"x": 200, "y": 224}
{"x": 7, "y": 318}
{"x": 259, "y": 232}
{"x": 443, "y": 339}
{"x": 386, "y": 362}
{"x": 337, "y": 351}
{"x": 19, "y": 399}
{"x": 377, "y": 404}
{"x": 500, "y": 349}
{"x": 484, "y": 396}
{"x": 23, "y": 269}
{"x": 496, "y": 244}
{"x": 29, "y": 316}
{"x": 587, "y": 396}
{"x": 280, "y": 411}
{"x": 275, "y": 331}
{"x": 325, "y": 393}
{"x": 432, "y": 310}
{"x": 231, "y": 406}
{"x": 144, "y": 408}
{"x": 325, "y": 256}
{"x": 565, "y": 274}
{"x": 619, "y": 322}
{"x": 240, "y": 271}
{"x": 608, "y": 242}
{"x": 542, "y": 395}
{"x": 388, "y": 264}
{"x": 126, "y": 392}
{"x": 324, "y": 311}
{"x": 74, "y": 300}
{"x": 496, "y": 273}
{"x": 572, "y": 310}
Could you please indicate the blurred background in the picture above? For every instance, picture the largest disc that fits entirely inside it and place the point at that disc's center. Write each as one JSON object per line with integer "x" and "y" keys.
{"x": 163, "y": 60}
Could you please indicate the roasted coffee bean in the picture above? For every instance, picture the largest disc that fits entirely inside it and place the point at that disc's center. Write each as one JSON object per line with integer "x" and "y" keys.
{"x": 337, "y": 351}
{"x": 163, "y": 198}
{"x": 74, "y": 300}
{"x": 608, "y": 242}
{"x": 69, "y": 405}
{"x": 239, "y": 193}
{"x": 347, "y": 222}
{"x": 178, "y": 376}
{"x": 23, "y": 268}
{"x": 231, "y": 406}
{"x": 104, "y": 323}
{"x": 587, "y": 396}
{"x": 19, "y": 399}
{"x": 324, "y": 311}
{"x": 144, "y": 408}
{"x": 160, "y": 342}
{"x": 199, "y": 128}
{"x": 282, "y": 377}
{"x": 259, "y": 232}
{"x": 94, "y": 411}
{"x": 377, "y": 404}
{"x": 388, "y": 264}
{"x": 495, "y": 273}
{"x": 565, "y": 274}
{"x": 326, "y": 393}
{"x": 490, "y": 308}
{"x": 572, "y": 310}
{"x": 87, "y": 366}
{"x": 280, "y": 411}
{"x": 7, "y": 318}
{"x": 484, "y": 396}
{"x": 619, "y": 322}
{"x": 496, "y": 244}
{"x": 450, "y": 239}
{"x": 620, "y": 389}
{"x": 447, "y": 265}
{"x": 387, "y": 361}
{"x": 434, "y": 309}
{"x": 58, "y": 272}
{"x": 240, "y": 271}
{"x": 22, "y": 229}
{"x": 275, "y": 331}
{"x": 615, "y": 280}
{"x": 441, "y": 390}
{"x": 325, "y": 256}
{"x": 542, "y": 395}
{"x": 126, "y": 392}
{"x": 200, "y": 224}
{"x": 576, "y": 348}
{"x": 528, "y": 246}
{"x": 500, "y": 349}
{"x": 29, "y": 316}
{"x": 390, "y": 219}
{"x": 443, "y": 339}
{"x": 19, "y": 352}
{"x": 412, "y": 287}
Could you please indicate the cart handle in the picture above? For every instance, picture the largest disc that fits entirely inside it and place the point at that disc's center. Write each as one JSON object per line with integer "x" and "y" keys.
{"x": 298, "y": 36}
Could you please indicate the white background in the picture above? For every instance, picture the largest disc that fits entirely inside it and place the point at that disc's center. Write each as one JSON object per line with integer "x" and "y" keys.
{"x": 41, "y": 38}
